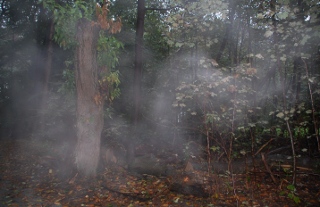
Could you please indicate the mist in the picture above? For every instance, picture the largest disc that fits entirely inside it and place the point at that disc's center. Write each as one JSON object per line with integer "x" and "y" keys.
{"x": 158, "y": 102}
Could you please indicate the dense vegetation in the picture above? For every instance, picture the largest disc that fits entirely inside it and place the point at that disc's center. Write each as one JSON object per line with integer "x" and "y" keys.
{"x": 218, "y": 80}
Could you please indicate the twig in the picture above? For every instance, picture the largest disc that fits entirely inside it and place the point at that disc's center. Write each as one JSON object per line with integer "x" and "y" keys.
{"x": 267, "y": 168}
{"x": 297, "y": 167}
{"x": 263, "y": 146}
{"x": 293, "y": 154}
{"x": 281, "y": 149}
{"x": 312, "y": 105}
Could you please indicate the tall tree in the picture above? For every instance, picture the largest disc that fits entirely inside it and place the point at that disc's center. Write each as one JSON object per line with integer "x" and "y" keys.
{"x": 90, "y": 99}
{"x": 89, "y": 109}
{"x": 138, "y": 68}
{"x": 228, "y": 31}
{"x": 138, "y": 59}
{"x": 23, "y": 40}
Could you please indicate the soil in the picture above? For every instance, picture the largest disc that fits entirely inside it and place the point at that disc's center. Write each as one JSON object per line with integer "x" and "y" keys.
{"x": 37, "y": 174}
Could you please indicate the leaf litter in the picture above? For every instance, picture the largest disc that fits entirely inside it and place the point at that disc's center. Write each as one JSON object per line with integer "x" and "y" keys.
{"x": 26, "y": 179}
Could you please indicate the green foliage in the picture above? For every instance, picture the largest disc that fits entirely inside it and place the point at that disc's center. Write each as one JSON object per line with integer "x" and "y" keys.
{"x": 108, "y": 52}
{"x": 69, "y": 85}
{"x": 222, "y": 98}
{"x": 291, "y": 194}
{"x": 215, "y": 148}
{"x": 110, "y": 82}
{"x": 195, "y": 24}
{"x": 230, "y": 102}
{"x": 109, "y": 49}
{"x": 246, "y": 100}
{"x": 223, "y": 102}
{"x": 66, "y": 17}
{"x": 153, "y": 35}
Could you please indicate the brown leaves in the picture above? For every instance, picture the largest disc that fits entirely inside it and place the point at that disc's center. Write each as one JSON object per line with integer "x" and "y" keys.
{"x": 232, "y": 88}
{"x": 114, "y": 26}
{"x": 251, "y": 71}
{"x": 98, "y": 99}
{"x": 26, "y": 183}
{"x": 189, "y": 167}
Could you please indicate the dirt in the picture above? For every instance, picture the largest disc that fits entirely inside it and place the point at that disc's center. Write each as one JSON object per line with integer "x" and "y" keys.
{"x": 29, "y": 177}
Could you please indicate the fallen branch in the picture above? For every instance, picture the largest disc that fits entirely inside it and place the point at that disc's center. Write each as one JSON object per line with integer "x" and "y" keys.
{"x": 267, "y": 167}
{"x": 263, "y": 146}
{"x": 300, "y": 168}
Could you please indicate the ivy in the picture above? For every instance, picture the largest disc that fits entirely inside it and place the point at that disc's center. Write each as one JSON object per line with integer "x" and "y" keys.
{"x": 108, "y": 48}
{"x": 66, "y": 17}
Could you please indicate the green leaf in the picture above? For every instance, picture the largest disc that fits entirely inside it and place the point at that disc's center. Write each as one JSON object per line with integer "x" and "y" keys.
{"x": 178, "y": 44}
{"x": 282, "y": 193}
{"x": 283, "y": 15}
{"x": 215, "y": 148}
{"x": 280, "y": 115}
{"x": 305, "y": 39}
{"x": 296, "y": 199}
{"x": 268, "y": 33}
{"x": 310, "y": 80}
{"x": 251, "y": 124}
{"x": 285, "y": 2}
{"x": 292, "y": 110}
{"x": 308, "y": 111}
{"x": 291, "y": 187}
{"x": 260, "y": 16}
{"x": 191, "y": 45}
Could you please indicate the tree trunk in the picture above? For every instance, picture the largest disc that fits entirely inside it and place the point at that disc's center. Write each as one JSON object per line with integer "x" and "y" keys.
{"x": 130, "y": 145}
{"x": 138, "y": 61}
{"x": 229, "y": 26}
{"x": 47, "y": 72}
{"x": 89, "y": 106}
{"x": 49, "y": 59}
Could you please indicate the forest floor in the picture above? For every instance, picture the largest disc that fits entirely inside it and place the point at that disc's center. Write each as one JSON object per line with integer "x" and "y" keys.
{"x": 27, "y": 180}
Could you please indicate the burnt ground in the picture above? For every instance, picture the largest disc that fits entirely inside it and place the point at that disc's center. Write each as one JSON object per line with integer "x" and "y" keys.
{"x": 32, "y": 175}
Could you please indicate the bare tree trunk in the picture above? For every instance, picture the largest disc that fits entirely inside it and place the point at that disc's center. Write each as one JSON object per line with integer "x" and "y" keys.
{"x": 89, "y": 106}
{"x": 227, "y": 35}
{"x": 49, "y": 59}
{"x": 138, "y": 61}
{"x": 137, "y": 82}
{"x": 283, "y": 82}
{"x": 47, "y": 73}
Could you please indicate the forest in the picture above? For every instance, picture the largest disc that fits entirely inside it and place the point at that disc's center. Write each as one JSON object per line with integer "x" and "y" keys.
{"x": 159, "y": 103}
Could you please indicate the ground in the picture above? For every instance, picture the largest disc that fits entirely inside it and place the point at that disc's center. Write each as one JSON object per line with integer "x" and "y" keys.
{"x": 29, "y": 177}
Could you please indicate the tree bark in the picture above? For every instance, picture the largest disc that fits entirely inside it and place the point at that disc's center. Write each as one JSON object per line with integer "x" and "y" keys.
{"x": 130, "y": 145}
{"x": 89, "y": 109}
{"x": 229, "y": 26}
{"x": 138, "y": 61}
{"x": 47, "y": 73}
{"x": 49, "y": 59}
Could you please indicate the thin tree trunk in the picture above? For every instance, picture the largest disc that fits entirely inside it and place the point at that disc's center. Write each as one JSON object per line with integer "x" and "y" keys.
{"x": 137, "y": 82}
{"x": 138, "y": 61}
{"x": 49, "y": 59}
{"x": 296, "y": 80}
{"x": 228, "y": 31}
{"x": 47, "y": 73}
{"x": 283, "y": 83}
{"x": 89, "y": 105}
